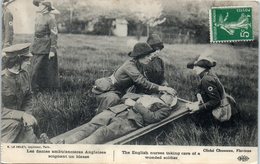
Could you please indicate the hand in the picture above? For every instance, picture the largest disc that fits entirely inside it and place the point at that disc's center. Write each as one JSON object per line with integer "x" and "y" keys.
{"x": 29, "y": 120}
{"x": 51, "y": 54}
{"x": 138, "y": 107}
{"x": 3, "y": 54}
{"x": 129, "y": 102}
{"x": 168, "y": 90}
{"x": 193, "y": 107}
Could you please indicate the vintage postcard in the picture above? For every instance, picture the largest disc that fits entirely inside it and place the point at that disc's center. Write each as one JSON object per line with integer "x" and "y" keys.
{"x": 128, "y": 81}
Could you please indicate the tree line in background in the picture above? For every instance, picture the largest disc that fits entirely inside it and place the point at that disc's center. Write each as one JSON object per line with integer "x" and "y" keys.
{"x": 175, "y": 21}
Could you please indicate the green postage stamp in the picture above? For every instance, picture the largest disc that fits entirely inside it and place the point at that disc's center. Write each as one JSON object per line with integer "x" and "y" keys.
{"x": 230, "y": 24}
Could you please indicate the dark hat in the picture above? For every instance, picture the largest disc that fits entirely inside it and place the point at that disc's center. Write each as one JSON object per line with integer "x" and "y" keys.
{"x": 155, "y": 42}
{"x": 141, "y": 49}
{"x": 37, "y": 2}
{"x": 46, "y": 3}
{"x": 49, "y": 5}
{"x": 17, "y": 50}
{"x": 202, "y": 61}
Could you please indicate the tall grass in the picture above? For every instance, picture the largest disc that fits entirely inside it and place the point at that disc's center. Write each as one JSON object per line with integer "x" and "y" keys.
{"x": 83, "y": 58}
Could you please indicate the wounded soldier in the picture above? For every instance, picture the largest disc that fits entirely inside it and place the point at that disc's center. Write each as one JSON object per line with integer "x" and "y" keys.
{"x": 121, "y": 119}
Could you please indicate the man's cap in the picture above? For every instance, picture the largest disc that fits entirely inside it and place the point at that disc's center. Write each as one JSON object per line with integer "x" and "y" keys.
{"x": 102, "y": 85}
{"x": 141, "y": 49}
{"x": 155, "y": 42}
{"x": 202, "y": 61}
{"x": 17, "y": 50}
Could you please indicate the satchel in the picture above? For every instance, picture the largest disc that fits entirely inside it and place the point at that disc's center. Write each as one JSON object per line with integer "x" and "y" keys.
{"x": 223, "y": 112}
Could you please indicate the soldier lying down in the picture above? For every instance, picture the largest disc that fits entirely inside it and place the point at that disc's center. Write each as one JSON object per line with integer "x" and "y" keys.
{"x": 121, "y": 119}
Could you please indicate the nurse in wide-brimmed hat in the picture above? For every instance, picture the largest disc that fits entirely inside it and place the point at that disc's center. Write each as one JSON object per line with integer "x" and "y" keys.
{"x": 109, "y": 90}
{"x": 154, "y": 69}
{"x": 210, "y": 90}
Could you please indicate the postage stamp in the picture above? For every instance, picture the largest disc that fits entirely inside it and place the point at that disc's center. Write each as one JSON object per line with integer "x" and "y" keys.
{"x": 230, "y": 24}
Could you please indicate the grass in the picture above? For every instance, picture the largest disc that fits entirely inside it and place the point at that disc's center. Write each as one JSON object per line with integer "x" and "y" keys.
{"x": 84, "y": 58}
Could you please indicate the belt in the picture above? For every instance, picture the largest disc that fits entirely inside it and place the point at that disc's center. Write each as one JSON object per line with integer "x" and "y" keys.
{"x": 41, "y": 36}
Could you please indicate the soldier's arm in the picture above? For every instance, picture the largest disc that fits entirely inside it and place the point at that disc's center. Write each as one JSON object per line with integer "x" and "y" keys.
{"x": 210, "y": 87}
{"x": 54, "y": 33}
{"x": 156, "y": 115}
{"x": 138, "y": 78}
{"x": 28, "y": 104}
{"x": 8, "y": 26}
{"x": 28, "y": 98}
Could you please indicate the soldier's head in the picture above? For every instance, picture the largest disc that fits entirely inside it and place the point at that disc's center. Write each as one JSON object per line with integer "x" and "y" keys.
{"x": 156, "y": 43}
{"x": 150, "y": 101}
{"x": 142, "y": 52}
{"x": 17, "y": 56}
{"x": 170, "y": 100}
{"x": 201, "y": 63}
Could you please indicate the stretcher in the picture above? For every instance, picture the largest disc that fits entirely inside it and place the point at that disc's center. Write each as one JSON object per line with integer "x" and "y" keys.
{"x": 179, "y": 112}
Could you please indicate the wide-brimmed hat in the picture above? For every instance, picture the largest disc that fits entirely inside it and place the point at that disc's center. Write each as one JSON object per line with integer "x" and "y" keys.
{"x": 17, "y": 50}
{"x": 46, "y": 3}
{"x": 202, "y": 61}
{"x": 155, "y": 42}
{"x": 141, "y": 50}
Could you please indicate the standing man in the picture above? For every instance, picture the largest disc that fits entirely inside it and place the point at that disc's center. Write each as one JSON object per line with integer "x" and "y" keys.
{"x": 45, "y": 75}
{"x": 7, "y": 28}
{"x": 7, "y": 24}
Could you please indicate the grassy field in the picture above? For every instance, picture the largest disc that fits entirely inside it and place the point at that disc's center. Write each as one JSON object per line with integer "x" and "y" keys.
{"x": 83, "y": 58}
